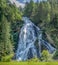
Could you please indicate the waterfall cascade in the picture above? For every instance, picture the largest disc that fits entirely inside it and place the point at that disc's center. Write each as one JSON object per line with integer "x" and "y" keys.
{"x": 27, "y": 42}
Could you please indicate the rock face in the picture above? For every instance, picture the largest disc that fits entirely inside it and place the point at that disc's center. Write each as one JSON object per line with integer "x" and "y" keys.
{"x": 22, "y": 1}
{"x": 27, "y": 46}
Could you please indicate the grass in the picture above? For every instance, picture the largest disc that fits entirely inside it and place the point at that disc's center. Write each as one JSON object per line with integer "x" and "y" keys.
{"x": 28, "y": 63}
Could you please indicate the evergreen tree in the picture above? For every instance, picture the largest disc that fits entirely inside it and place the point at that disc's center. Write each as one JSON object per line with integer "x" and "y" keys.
{"x": 29, "y": 8}
{"x": 43, "y": 13}
{"x": 9, "y": 15}
{"x": 5, "y": 42}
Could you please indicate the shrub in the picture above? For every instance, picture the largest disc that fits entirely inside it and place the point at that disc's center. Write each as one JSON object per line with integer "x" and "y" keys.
{"x": 56, "y": 55}
{"x": 46, "y": 56}
{"x": 35, "y": 59}
{"x": 7, "y": 58}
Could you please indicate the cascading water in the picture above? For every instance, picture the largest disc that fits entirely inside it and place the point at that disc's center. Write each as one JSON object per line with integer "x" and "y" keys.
{"x": 27, "y": 42}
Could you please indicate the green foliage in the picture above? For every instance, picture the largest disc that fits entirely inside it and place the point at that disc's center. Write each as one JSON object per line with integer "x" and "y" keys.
{"x": 56, "y": 55}
{"x": 7, "y": 58}
{"x": 9, "y": 15}
{"x": 43, "y": 12}
{"x": 45, "y": 15}
{"x": 29, "y": 8}
{"x": 5, "y": 46}
{"x": 46, "y": 56}
{"x": 33, "y": 60}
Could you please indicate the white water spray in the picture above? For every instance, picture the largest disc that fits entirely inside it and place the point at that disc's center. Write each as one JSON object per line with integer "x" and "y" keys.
{"x": 27, "y": 38}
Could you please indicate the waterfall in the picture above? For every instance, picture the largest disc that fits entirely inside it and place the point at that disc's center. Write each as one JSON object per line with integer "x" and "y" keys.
{"x": 27, "y": 39}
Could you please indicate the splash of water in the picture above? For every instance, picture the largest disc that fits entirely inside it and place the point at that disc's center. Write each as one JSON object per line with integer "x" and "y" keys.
{"x": 27, "y": 39}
